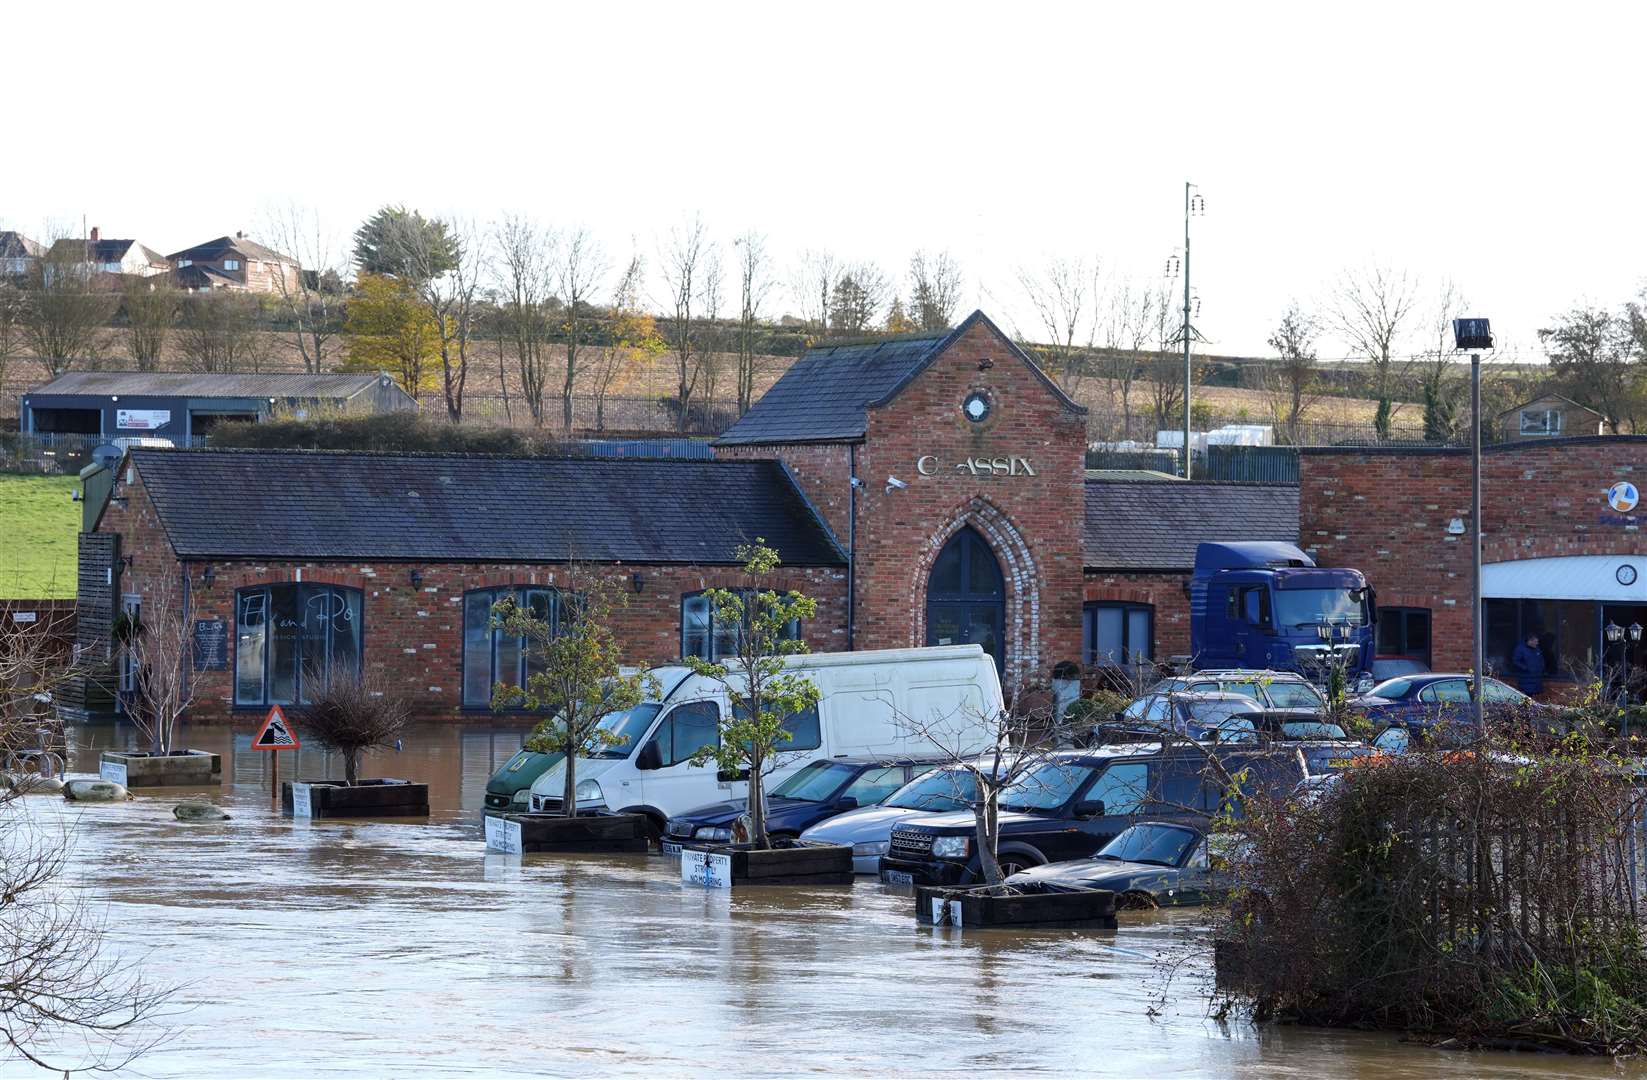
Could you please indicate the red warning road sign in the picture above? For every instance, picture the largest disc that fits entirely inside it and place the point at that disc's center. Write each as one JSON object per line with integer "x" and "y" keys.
{"x": 276, "y": 733}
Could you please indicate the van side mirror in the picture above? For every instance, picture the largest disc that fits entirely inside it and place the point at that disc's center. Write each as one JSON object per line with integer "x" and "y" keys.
{"x": 650, "y": 757}
{"x": 1088, "y": 808}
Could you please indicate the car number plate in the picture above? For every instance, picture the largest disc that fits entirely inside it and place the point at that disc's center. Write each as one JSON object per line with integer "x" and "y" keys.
{"x": 1339, "y": 762}
{"x": 671, "y": 849}
{"x": 897, "y": 877}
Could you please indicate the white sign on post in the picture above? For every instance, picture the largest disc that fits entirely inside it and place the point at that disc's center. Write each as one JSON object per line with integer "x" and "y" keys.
{"x": 502, "y": 835}
{"x": 114, "y": 772}
{"x": 711, "y": 870}
{"x": 946, "y": 912}
{"x": 302, "y": 805}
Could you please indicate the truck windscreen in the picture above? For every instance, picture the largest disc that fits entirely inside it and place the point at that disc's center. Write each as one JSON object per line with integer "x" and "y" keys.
{"x": 1311, "y": 607}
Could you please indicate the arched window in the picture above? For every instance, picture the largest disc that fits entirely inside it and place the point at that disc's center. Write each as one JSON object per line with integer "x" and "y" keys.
{"x": 489, "y": 655}
{"x": 290, "y": 637}
{"x": 966, "y": 596}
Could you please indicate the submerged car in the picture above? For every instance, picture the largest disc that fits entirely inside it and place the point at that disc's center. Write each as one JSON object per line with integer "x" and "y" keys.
{"x": 869, "y": 829}
{"x": 818, "y": 790}
{"x": 1152, "y": 864}
{"x": 510, "y": 788}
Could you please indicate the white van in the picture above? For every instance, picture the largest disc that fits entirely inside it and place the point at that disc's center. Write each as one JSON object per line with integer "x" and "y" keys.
{"x": 869, "y": 703}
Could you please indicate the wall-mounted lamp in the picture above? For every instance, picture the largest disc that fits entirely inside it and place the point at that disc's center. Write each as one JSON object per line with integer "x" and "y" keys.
{"x": 636, "y": 582}
{"x": 208, "y": 575}
{"x": 416, "y": 578}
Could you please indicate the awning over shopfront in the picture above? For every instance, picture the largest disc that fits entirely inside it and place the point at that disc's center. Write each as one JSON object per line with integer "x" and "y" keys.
{"x": 1620, "y": 578}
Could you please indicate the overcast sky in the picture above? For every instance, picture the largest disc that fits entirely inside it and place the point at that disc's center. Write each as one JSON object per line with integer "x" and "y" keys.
{"x": 1498, "y": 145}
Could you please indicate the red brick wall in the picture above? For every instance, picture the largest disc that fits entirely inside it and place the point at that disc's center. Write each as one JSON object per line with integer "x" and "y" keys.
{"x": 1386, "y": 514}
{"x": 1164, "y": 592}
{"x": 1033, "y": 523}
{"x": 821, "y": 470}
{"x": 413, "y": 638}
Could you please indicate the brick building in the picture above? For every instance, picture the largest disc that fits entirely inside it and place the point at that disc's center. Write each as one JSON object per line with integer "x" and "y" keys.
{"x": 1562, "y": 550}
{"x": 234, "y": 263}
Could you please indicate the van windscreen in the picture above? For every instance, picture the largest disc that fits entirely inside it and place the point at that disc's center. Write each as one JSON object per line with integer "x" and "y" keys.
{"x": 625, "y": 726}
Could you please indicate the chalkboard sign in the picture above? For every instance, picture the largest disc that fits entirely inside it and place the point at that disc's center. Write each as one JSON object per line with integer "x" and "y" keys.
{"x": 211, "y": 645}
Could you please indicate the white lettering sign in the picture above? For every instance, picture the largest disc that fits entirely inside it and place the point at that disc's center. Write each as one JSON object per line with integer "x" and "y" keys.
{"x": 708, "y": 869}
{"x": 114, "y": 772}
{"x": 302, "y": 803}
{"x": 928, "y": 465}
{"x": 946, "y": 912}
{"x": 24, "y": 616}
{"x": 502, "y": 835}
{"x": 141, "y": 419}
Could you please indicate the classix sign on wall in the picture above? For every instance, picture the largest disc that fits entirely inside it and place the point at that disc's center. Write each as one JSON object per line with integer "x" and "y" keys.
{"x": 141, "y": 419}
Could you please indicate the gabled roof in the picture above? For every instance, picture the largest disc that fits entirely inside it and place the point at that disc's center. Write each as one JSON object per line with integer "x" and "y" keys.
{"x": 826, "y": 394}
{"x": 296, "y": 504}
{"x": 200, "y": 276}
{"x": 102, "y": 251}
{"x": 1141, "y": 525}
{"x": 1551, "y": 397}
{"x": 14, "y": 245}
{"x": 213, "y": 250}
{"x": 280, "y": 385}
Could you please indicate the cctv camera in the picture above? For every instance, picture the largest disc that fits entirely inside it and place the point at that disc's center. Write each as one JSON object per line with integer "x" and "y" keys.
{"x": 893, "y": 483}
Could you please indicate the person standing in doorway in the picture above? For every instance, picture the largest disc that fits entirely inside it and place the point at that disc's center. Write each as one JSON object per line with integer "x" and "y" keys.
{"x": 1528, "y": 665}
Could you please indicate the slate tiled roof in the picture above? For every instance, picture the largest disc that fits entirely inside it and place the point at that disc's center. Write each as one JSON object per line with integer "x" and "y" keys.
{"x": 14, "y": 245}
{"x": 1156, "y": 526}
{"x": 213, "y": 250}
{"x": 289, "y": 384}
{"x": 824, "y": 396}
{"x": 455, "y": 508}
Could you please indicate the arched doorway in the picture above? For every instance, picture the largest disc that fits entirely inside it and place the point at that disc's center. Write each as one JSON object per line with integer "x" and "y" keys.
{"x": 966, "y": 596}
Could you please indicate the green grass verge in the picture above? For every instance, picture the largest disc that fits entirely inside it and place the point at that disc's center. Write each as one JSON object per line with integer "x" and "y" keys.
{"x": 39, "y": 530}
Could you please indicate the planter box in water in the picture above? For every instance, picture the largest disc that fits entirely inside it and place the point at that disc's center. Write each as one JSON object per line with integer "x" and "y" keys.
{"x": 723, "y": 866}
{"x": 523, "y": 834}
{"x": 362, "y": 799}
{"x": 1092, "y": 909}
{"x": 180, "y": 768}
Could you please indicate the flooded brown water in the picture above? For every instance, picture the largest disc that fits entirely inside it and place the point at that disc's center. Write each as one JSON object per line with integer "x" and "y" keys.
{"x": 382, "y": 949}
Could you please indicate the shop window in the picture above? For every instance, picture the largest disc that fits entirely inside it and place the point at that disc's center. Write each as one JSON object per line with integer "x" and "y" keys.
{"x": 290, "y": 638}
{"x": 707, "y": 637}
{"x": 1404, "y": 631}
{"x": 1118, "y": 634}
{"x": 1541, "y": 421}
{"x": 491, "y": 656}
{"x": 1569, "y": 633}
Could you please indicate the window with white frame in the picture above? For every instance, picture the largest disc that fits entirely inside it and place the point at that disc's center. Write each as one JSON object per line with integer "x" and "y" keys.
{"x": 231, "y": 264}
{"x": 1541, "y": 421}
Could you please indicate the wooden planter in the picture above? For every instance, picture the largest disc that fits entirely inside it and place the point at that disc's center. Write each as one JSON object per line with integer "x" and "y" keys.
{"x": 362, "y": 799}
{"x": 970, "y": 908}
{"x": 180, "y": 768}
{"x": 725, "y": 866}
{"x": 523, "y": 834}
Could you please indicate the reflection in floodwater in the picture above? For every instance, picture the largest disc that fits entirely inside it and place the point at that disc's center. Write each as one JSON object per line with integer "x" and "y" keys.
{"x": 367, "y": 950}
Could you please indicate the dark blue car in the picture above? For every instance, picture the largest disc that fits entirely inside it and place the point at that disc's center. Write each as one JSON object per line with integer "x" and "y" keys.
{"x": 1413, "y": 706}
{"x": 819, "y": 790}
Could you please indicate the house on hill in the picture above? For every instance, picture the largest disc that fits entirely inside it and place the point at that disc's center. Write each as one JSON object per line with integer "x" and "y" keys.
{"x": 105, "y": 256}
{"x": 18, "y": 254}
{"x": 1550, "y": 417}
{"x": 234, "y": 262}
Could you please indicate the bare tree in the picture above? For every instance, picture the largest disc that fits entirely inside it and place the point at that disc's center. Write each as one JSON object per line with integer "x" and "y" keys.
{"x": 635, "y": 340}
{"x": 1590, "y": 351}
{"x": 151, "y": 309}
{"x": 754, "y": 283}
{"x": 219, "y": 332}
{"x": 934, "y": 290}
{"x": 66, "y": 310}
{"x": 1373, "y": 309}
{"x": 1438, "y": 387}
{"x": 443, "y": 264}
{"x": 1065, "y": 296}
{"x": 711, "y": 340}
{"x": 13, "y": 306}
{"x": 160, "y": 645}
{"x": 582, "y": 265}
{"x": 1130, "y": 323}
{"x": 857, "y": 297}
{"x": 525, "y": 270}
{"x": 683, "y": 265}
{"x": 350, "y": 715}
{"x": 1166, "y": 370}
{"x": 313, "y": 296}
{"x": 1290, "y": 385}
{"x": 813, "y": 283}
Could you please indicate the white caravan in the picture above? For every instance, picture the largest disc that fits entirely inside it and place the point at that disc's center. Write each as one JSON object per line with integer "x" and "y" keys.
{"x": 869, "y": 703}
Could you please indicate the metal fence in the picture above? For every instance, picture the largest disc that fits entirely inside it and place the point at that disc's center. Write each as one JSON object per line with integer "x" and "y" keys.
{"x": 55, "y": 454}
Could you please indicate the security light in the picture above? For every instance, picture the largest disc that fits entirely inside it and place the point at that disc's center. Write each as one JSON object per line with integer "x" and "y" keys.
{"x": 1471, "y": 335}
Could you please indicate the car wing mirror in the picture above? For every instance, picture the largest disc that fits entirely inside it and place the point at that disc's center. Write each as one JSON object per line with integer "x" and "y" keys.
{"x": 1088, "y": 808}
{"x": 650, "y": 757}
{"x": 847, "y": 802}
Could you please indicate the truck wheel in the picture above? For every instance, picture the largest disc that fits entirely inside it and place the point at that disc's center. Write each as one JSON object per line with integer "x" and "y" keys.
{"x": 1135, "y": 901}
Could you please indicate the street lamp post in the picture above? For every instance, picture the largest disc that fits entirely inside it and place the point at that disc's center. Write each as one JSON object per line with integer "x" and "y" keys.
{"x": 1193, "y": 204}
{"x": 1474, "y": 335}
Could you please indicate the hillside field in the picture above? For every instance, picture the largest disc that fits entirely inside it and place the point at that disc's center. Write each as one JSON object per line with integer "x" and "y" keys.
{"x": 39, "y": 527}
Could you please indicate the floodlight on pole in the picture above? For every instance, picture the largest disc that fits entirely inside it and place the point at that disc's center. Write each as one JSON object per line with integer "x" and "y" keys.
{"x": 1472, "y": 336}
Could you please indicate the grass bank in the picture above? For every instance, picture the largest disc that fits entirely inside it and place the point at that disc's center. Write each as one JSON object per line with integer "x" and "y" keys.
{"x": 39, "y": 526}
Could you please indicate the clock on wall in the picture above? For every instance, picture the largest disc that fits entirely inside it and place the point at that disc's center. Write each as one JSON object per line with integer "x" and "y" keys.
{"x": 1626, "y": 574}
{"x": 976, "y": 407}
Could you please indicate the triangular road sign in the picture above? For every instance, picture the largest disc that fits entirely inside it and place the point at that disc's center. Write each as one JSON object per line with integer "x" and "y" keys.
{"x": 276, "y": 733}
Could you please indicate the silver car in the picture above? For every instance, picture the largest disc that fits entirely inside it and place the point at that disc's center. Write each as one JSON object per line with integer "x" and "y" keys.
{"x": 869, "y": 829}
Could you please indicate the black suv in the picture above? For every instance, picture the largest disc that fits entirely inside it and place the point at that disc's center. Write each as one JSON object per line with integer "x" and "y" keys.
{"x": 1078, "y": 800}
